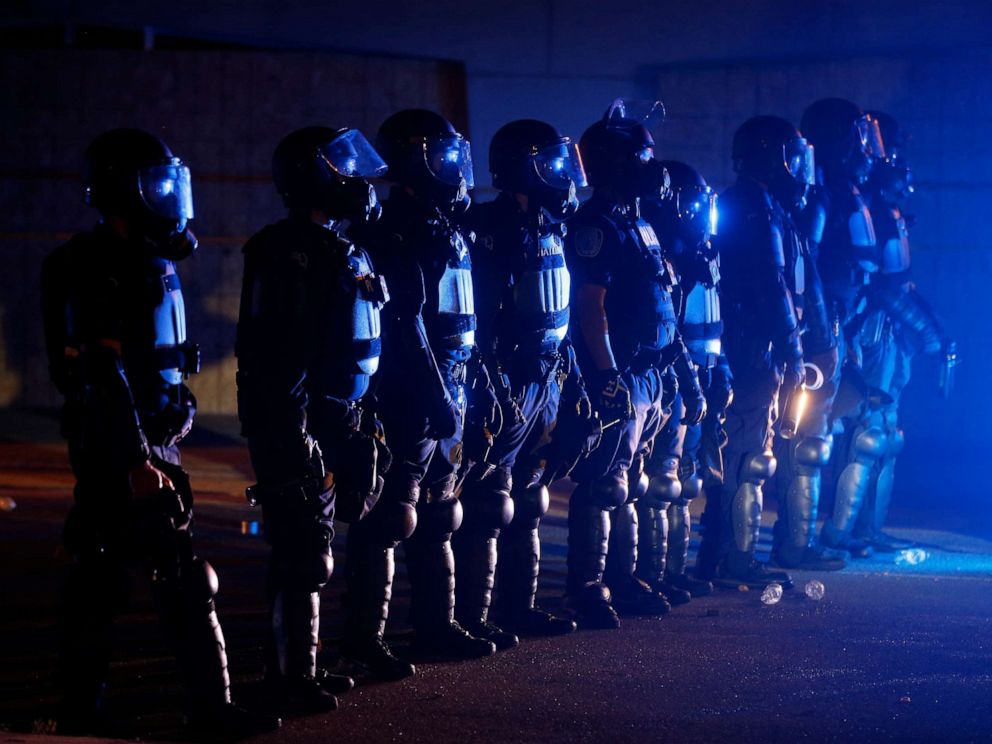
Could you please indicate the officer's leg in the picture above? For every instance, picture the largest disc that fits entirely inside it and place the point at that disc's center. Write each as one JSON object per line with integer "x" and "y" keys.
{"x": 431, "y": 562}
{"x": 799, "y": 477}
{"x": 868, "y": 444}
{"x": 663, "y": 491}
{"x": 631, "y": 595}
{"x": 369, "y": 569}
{"x": 299, "y": 527}
{"x": 95, "y": 590}
{"x": 896, "y": 362}
{"x": 183, "y": 590}
{"x": 749, "y": 463}
{"x": 488, "y": 509}
{"x": 711, "y": 467}
{"x": 520, "y": 544}
{"x": 680, "y": 523}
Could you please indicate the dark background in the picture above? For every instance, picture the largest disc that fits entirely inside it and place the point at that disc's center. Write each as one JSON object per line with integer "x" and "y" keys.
{"x": 223, "y": 81}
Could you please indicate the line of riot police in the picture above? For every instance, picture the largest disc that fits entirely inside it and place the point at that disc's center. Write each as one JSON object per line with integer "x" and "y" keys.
{"x": 424, "y": 369}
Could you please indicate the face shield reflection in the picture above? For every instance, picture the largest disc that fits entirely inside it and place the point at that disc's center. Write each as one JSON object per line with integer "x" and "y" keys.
{"x": 450, "y": 160}
{"x": 167, "y": 190}
{"x": 560, "y": 165}
{"x": 352, "y": 156}
{"x": 697, "y": 205}
{"x": 798, "y": 157}
{"x": 873, "y": 142}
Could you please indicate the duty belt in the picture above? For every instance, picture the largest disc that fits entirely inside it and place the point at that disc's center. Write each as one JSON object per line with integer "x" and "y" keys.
{"x": 185, "y": 357}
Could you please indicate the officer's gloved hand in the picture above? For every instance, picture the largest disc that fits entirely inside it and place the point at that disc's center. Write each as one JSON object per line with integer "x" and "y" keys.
{"x": 443, "y": 418}
{"x": 611, "y": 395}
{"x": 695, "y": 406}
{"x": 507, "y": 402}
{"x": 720, "y": 390}
{"x": 825, "y": 361}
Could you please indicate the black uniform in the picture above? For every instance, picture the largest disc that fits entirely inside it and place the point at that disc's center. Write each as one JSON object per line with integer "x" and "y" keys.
{"x": 610, "y": 246}
{"x": 762, "y": 270}
{"x": 522, "y": 295}
{"x": 308, "y": 341}
{"x": 429, "y": 336}
{"x": 115, "y": 329}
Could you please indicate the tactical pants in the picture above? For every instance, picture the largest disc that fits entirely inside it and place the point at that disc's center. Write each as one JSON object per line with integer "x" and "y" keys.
{"x": 503, "y": 503}
{"x": 608, "y": 484}
{"x": 418, "y": 505}
{"x": 107, "y": 532}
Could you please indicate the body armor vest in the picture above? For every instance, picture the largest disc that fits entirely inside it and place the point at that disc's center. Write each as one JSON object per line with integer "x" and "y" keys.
{"x": 702, "y": 324}
{"x": 169, "y": 325}
{"x": 641, "y": 298}
{"x": 540, "y": 297}
{"x": 453, "y": 326}
{"x": 349, "y": 319}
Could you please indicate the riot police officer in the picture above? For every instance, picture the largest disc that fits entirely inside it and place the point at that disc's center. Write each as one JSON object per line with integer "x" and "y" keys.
{"x": 686, "y": 459}
{"x": 899, "y": 324}
{"x": 762, "y": 270}
{"x": 115, "y": 330}
{"x": 841, "y": 227}
{"x": 625, "y": 336}
{"x": 522, "y": 294}
{"x": 307, "y": 343}
{"x": 429, "y": 338}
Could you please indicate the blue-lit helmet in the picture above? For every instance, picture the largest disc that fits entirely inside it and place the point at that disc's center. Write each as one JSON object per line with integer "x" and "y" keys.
{"x": 618, "y": 147}
{"x": 532, "y": 157}
{"x": 133, "y": 175}
{"x": 891, "y": 177}
{"x": 426, "y": 153}
{"x": 324, "y": 169}
{"x": 846, "y": 140}
{"x": 771, "y": 150}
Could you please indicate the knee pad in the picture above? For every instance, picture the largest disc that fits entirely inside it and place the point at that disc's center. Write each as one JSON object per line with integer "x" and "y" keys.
{"x": 663, "y": 489}
{"x": 307, "y": 573}
{"x": 487, "y": 505}
{"x": 814, "y": 451}
{"x": 639, "y": 485}
{"x": 692, "y": 486}
{"x": 609, "y": 491}
{"x": 200, "y": 582}
{"x": 870, "y": 443}
{"x": 388, "y": 524}
{"x": 897, "y": 440}
{"x": 436, "y": 519}
{"x": 531, "y": 503}
{"x": 759, "y": 468}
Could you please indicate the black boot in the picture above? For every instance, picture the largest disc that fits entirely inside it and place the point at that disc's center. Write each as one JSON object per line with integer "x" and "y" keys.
{"x": 292, "y": 680}
{"x": 475, "y": 558}
{"x": 631, "y": 596}
{"x": 741, "y": 568}
{"x": 431, "y": 569}
{"x": 517, "y": 574}
{"x": 369, "y": 578}
{"x": 588, "y": 540}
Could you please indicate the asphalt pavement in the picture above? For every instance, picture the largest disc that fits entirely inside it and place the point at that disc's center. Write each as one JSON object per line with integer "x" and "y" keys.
{"x": 891, "y": 653}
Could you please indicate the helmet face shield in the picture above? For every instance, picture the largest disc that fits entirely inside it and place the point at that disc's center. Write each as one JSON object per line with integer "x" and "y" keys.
{"x": 167, "y": 191}
{"x": 649, "y": 113}
{"x": 798, "y": 157}
{"x": 449, "y": 159}
{"x": 560, "y": 166}
{"x": 352, "y": 156}
{"x": 697, "y": 206}
{"x": 872, "y": 137}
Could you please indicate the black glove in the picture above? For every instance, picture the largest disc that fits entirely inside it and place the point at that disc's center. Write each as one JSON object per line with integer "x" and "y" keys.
{"x": 507, "y": 402}
{"x": 692, "y": 394}
{"x": 611, "y": 395}
{"x": 443, "y": 416}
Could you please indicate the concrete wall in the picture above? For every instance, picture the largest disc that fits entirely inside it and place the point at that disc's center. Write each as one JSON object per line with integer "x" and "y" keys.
{"x": 223, "y": 112}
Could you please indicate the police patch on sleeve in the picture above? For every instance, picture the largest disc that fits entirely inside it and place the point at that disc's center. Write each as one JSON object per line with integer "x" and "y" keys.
{"x": 588, "y": 242}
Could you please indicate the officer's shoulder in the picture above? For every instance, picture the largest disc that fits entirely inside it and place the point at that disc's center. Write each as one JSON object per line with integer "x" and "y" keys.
{"x": 591, "y": 232}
